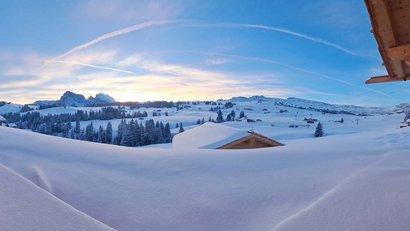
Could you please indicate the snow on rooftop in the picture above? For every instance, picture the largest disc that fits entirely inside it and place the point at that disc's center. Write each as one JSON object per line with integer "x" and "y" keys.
{"x": 208, "y": 136}
{"x": 2, "y": 119}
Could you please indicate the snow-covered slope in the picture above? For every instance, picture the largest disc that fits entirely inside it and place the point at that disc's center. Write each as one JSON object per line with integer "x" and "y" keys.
{"x": 10, "y": 108}
{"x": 354, "y": 181}
{"x": 305, "y": 104}
{"x": 24, "y": 206}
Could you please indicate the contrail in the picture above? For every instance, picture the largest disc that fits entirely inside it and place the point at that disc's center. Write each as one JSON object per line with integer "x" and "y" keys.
{"x": 91, "y": 65}
{"x": 120, "y": 32}
{"x": 280, "y": 64}
{"x": 277, "y": 29}
{"x": 147, "y": 24}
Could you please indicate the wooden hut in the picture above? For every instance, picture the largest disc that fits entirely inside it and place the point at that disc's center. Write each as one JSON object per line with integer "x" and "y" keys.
{"x": 218, "y": 136}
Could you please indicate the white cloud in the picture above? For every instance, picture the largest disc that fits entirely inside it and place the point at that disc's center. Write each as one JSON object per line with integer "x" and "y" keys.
{"x": 217, "y": 61}
{"x": 128, "y": 11}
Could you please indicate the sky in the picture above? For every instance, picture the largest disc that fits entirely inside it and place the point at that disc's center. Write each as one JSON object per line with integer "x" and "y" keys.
{"x": 191, "y": 50}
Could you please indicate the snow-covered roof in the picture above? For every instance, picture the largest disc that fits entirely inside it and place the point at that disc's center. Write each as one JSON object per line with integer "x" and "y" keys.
{"x": 208, "y": 136}
{"x": 2, "y": 119}
{"x": 407, "y": 121}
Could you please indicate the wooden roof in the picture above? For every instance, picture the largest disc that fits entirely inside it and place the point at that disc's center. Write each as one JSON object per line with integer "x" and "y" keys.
{"x": 390, "y": 21}
{"x": 252, "y": 135}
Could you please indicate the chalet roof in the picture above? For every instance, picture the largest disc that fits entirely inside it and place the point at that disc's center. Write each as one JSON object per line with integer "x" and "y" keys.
{"x": 2, "y": 119}
{"x": 208, "y": 136}
{"x": 390, "y": 21}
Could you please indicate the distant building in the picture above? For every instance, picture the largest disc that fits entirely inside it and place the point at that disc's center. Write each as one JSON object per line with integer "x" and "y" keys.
{"x": 310, "y": 121}
{"x": 218, "y": 136}
{"x": 3, "y": 121}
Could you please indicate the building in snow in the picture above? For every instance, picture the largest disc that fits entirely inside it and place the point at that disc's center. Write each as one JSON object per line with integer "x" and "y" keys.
{"x": 3, "y": 121}
{"x": 218, "y": 136}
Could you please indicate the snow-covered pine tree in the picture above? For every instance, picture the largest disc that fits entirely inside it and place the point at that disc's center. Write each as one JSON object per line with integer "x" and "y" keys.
{"x": 319, "y": 130}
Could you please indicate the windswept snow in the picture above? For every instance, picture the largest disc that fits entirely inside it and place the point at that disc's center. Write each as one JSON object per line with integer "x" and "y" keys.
{"x": 351, "y": 181}
{"x": 27, "y": 207}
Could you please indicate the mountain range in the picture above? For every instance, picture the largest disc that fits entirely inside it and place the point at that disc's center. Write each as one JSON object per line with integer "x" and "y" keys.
{"x": 77, "y": 100}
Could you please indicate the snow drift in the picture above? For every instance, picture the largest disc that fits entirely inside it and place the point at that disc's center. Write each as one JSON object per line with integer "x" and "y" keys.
{"x": 355, "y": 181}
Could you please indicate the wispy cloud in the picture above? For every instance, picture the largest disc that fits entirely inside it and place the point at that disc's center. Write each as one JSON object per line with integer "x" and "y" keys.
{"x": 217, "y": 61}
{"x": 257, "y": 59}
{"x": 125, "y": 11}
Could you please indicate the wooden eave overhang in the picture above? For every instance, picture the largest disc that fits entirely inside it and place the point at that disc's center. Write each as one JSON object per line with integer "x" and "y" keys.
{"x": 390, "y": 21}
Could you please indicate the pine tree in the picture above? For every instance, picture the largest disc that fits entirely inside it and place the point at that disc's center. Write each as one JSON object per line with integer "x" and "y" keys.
{"x": 319, "y": 130}
{"x": 89, "y": 132}
{"x": 108, "y": 133}
{"x": 241, "y": 114}
{"x": 341, "y": 120}
{"x": 233, "y": 115}
{"x": 181, "y": 129}
{"x": 167, "y": 133}
{"x": 220, "y": 118}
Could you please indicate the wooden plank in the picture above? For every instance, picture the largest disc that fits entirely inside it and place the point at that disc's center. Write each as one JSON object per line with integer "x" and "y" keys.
{"x": 384, "y": 79}
{"x": 399, "y": 52}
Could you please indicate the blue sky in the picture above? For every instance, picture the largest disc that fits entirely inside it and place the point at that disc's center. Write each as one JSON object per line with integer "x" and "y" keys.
{"x": 191, "y": 50}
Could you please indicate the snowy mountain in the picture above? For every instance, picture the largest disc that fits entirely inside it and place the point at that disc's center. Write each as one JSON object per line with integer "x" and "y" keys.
{"x": 72, "y": 99}
{"x": 99, "y": 100}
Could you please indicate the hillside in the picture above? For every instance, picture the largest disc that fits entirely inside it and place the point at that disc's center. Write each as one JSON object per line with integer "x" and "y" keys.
{"x": 356, "y": 181}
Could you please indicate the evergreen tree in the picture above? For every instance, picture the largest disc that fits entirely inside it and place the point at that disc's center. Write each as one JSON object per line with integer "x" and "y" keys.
{"x": 167, "y": 133}
{"x": 181, "y": 129}
{"x": 89, "y": 132}
{"x": 319, "y": 130}
{"x": 108, "y": 133}
{"x": 77, "y": 128}
{"x": 220, "y": 118}
{"x": 241, "y": 114}
{"x": 341, "y": 120}
{"x": 233, "y": 115}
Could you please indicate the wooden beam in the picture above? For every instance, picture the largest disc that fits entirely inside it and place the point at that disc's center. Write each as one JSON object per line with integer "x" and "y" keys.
{"x": 384, "y": 79}
{"x": 399, "y": 52}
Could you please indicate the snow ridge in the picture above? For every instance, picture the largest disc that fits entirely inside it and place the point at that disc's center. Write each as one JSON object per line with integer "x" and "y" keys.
{"x": 329, "y": 193}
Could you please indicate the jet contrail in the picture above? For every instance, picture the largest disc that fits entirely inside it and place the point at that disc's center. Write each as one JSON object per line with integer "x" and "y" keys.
{"x": 281, "y": 30}
{"x": 280, "y": 64}
{"x": 91, "y": 65}
{"x": 117, "y": 33}
{"x": 147, "y": 24}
